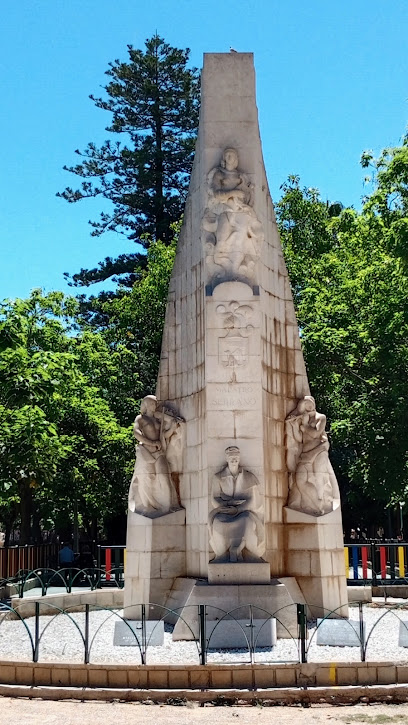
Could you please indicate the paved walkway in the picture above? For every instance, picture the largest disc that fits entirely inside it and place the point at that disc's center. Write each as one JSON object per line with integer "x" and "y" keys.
{"x": 42, "y": 712}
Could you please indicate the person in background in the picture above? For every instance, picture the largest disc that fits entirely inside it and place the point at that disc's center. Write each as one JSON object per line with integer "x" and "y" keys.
{"x": 86, "y": 560}
{"x": 66, "y": 556}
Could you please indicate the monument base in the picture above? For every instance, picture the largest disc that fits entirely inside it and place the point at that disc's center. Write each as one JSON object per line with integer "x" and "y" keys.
{"x": 156, "y": 556}
{"x": 315, "y": 556}
{"x": 239, "y": 573}
{"x": 279, "y": 596}
{"x": 236, "y": 634}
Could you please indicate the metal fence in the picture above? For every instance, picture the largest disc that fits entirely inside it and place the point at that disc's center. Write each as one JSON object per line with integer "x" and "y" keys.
{"x": 371, "y": 563}
{"x": 376, "y": 563}
{"x": 22, "y": 564}
{"x": 70, "y": 579}
{"x": 78, "y": 634}
{"x": 16, "y": 559}
{"x": 112, "y": 560}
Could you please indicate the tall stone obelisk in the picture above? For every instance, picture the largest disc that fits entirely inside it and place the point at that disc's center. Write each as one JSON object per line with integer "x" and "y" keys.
{"x": 259, "y": 494}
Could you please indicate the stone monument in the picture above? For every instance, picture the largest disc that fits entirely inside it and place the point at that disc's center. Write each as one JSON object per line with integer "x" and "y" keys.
{"x": 233, "y": 498}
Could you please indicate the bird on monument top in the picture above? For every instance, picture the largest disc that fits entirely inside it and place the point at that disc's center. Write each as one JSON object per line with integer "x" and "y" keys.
{"x": 232, "y": 50}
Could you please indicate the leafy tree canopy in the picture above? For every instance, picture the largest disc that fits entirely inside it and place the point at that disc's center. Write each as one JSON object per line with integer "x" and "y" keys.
{"x": 136, "y": 320}
{"x": 60, "y": 438}
{"x": 350, "y": 285}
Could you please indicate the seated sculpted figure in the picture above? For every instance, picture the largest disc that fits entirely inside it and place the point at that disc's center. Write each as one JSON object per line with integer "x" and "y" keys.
{"x": 313, "y": 485}
{"x": 235, "y": 232}
{"x": 152, "y": 491}
{"x": 236, "y": 530}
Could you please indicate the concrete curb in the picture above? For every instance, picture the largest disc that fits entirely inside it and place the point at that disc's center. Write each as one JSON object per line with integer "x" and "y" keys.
{"x": 287, "y": 696}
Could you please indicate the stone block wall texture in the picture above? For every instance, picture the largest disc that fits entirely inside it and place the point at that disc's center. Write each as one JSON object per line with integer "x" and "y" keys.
{"x": 144, "y": 678}
{"x": 248, "y": 409}
{"x": 156, "y": 556}
{"x": 249, "y": 412}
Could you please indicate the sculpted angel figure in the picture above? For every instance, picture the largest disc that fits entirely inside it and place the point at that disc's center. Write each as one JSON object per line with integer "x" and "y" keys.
{"x": 313, "y": 486}
{"x": 159, "y": 433}
{"x": 236, "y": 531}
{"x": 234, "y": 232}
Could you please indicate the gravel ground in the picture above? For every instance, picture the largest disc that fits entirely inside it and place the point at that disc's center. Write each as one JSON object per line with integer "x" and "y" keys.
{"x": 32, "y": 712}
{"x": 61, "y": 641}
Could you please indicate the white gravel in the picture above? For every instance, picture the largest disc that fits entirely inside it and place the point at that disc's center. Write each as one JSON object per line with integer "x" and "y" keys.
{"x": 62, "y": 642}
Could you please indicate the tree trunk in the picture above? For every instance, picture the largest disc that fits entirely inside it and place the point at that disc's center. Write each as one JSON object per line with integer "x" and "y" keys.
{"x": 94, "y": 530}
{"x": 25, "y": 510}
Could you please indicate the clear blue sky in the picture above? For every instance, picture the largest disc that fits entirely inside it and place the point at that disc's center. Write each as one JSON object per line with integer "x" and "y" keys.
{"x": 332, "y": 80}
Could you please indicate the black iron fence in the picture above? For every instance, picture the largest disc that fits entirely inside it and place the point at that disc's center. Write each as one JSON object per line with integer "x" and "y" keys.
{"x": 89, "y": 624}
{"x": 365, "y": 563}
{"x": 69, "y": 579}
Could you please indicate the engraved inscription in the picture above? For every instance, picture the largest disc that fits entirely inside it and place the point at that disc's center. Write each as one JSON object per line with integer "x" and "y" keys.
{"x": 232, "y": 396}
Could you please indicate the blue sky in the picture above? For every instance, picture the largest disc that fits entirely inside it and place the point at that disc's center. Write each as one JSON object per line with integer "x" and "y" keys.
{"x": 332, "y": 80}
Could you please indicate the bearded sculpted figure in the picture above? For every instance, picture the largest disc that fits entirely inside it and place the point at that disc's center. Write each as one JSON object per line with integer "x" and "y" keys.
{"x": 232, "y": 232}
{"x": 154, "y": 486}
{"x": 313, "y": 487}
{"x": 236, "y": 530}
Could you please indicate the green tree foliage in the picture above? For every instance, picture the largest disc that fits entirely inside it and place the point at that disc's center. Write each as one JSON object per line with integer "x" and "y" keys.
{"x": 136, "y": 320}
{"x": 60, "y": 439}
{"x": 154, "y": 101}
{"x": 350, "y": 287}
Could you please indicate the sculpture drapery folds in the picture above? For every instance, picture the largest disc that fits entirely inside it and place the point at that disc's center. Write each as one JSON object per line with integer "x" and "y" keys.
{"x": 159, "y": 431}
{"x": 232, "y": 232}
{"x": 313, "y": 487}
{"x": 236, "y": 530}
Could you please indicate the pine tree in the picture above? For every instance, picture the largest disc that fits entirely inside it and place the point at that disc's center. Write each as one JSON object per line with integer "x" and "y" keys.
{"x": 154, "y": 101}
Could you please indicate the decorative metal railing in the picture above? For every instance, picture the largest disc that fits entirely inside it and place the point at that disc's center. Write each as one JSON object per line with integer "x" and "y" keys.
{"x": 112, "y": 560}
{"x": 15, "y": 559}
{"x": 371, "y": 563}
{"x": 376, "y": 563}
{"x": 77, "y": 634}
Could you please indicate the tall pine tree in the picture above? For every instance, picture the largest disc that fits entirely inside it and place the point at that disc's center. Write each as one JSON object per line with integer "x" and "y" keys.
{"x": 154, "y": 102}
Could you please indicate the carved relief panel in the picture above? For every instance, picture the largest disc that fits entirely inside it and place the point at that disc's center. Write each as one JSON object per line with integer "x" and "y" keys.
{"x": 235, "y": 521}
{"x": 232, "y": 233}
{"x": 233, "y": 348}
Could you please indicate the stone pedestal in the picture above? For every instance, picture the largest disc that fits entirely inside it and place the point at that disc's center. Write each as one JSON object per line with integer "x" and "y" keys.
{"x": 239, "y": 573}
{"x": 315, "y": 556}
{"x": 156, "y": 556}
{"x": 235, "y": 634}
{"x": 280, "y": 596}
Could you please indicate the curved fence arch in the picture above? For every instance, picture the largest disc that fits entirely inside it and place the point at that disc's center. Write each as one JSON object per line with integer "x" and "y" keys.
{"x": 199, "y": 624}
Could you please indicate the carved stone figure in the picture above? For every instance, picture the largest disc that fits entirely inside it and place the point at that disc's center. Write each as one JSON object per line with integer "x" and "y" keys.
{"x": 236, "y": 530}
{"x": 233, "y": 234}
{"x": 153, "y": 489}
{"x": 313, "y": 486}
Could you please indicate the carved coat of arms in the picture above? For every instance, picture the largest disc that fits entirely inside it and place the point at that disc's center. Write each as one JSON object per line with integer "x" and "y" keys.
{"x": 233, "y": 351}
